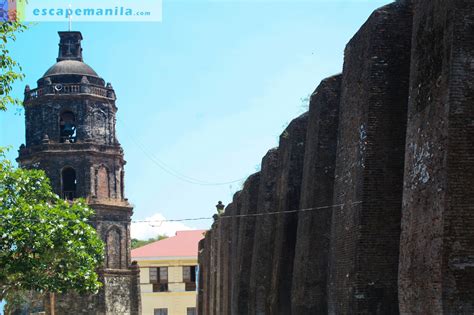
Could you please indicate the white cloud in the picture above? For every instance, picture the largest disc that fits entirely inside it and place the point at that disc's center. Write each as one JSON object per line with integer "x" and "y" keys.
{"x": 146, "y": 230}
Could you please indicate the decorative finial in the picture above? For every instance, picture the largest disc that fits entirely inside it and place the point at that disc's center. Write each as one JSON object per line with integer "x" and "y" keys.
{"x": 27, "y": 88}
{"x": 110, "y": 90}
{"x": 220, "y": 207}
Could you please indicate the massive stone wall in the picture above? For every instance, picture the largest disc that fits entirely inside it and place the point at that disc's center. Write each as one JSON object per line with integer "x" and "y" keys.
{"x": 310, "y": 271}
{"x": 288, "y": 191}
{"x": 249, "y": 197}
{"x": 369, "y": 167}
{"x": 262, "y": 256}
{"x": 437, "y": 243}
{"x": 381, "y": 171}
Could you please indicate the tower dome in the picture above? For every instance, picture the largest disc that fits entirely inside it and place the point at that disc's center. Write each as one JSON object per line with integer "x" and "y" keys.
{"x": 69, "y": 66}
{"x": 65, "y": 67}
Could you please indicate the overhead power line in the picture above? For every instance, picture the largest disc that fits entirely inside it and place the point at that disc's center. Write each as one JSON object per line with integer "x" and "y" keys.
{"x": 234, "y": 216}
{"x": 248, "y": 215}
{"x": 163, "y": 166}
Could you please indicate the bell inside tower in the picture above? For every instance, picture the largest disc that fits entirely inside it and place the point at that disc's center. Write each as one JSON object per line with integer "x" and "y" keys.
{"x": 67, "y": 126}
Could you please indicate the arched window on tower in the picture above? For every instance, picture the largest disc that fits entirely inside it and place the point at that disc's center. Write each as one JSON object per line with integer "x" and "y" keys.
{"x": 67, "y": 126}
{"x": 69, "y": 183}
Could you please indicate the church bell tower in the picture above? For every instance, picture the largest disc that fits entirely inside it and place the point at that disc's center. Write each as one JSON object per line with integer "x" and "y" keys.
{"x": 70, "y": 134}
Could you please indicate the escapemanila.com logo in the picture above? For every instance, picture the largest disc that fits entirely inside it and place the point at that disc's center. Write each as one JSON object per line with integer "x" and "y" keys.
{"x": 81, "y": 10}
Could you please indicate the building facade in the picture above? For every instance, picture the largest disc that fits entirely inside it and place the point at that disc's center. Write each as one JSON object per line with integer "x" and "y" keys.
{"x": 168, "y": 274}
{"x": 70, "y": 134}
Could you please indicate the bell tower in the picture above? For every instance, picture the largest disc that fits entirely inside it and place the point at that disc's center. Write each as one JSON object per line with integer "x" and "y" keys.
{"x": 70, "y": 134}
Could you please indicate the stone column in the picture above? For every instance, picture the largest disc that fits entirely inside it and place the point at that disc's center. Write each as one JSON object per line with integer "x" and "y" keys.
{"x": 310, "y": 271}
{"x": 262, "y": 256}
{"x": 234, "y": 245}
{"x": 437, "y": 241}
{"x": 249, "y": 197}
{"x": 365, "y": 232}
{"x": 288, "y": 188}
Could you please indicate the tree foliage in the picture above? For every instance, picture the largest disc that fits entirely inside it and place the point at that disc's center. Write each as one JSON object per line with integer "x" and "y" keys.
{"x": 46, "y": 243}
{"x": 139, "y": 243}
{"x": 10, "y": 69}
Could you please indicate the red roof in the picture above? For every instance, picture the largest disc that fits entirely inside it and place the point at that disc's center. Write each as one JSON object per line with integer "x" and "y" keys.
{"x": 184, "y": 244}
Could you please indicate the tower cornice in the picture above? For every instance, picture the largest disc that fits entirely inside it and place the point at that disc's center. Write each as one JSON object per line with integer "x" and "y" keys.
{"x": 31, "y": 152}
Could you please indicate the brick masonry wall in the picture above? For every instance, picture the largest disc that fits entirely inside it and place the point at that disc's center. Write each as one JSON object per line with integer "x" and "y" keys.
{"x": 213, "y": 270}
{"x": 205, "y": 266}
{"x": 201, "y": 277}
{"x": 288, "y": 191}
{"x": 234, "y": 253}
{"x": 262, "y": 257}
{"x": 219, "y": 266}
{"x": 369, "y": 169}
{"x": 437, "y": 243}
{"x": 309, "y": 294}
{"x": 226, "y": 257}
{"x": 249, "y": 197}
{"x": 395, "y": 155}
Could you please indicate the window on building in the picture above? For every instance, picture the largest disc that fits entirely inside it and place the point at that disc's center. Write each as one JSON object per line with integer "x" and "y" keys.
{"x": 68, "y": 183}
{"x": 154, "y": 275}
{"x": 159, "y": 279}
{"x": 67, "y": 127}
{"x": 160, "y": 311}
{"x": 189, "y": 277}
{"x": 163, "y": 274}
{"x": 191, "y": 311}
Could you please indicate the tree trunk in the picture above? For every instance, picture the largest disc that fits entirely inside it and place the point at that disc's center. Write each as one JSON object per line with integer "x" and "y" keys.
{"x": 52, "y": 303}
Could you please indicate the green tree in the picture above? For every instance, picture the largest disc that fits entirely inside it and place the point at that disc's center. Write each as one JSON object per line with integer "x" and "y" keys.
{"x": 10, "y": 69}
{"x": 46, "y": 243}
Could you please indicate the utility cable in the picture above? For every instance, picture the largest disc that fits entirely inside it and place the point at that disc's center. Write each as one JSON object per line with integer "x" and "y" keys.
{"x": 163, "y": 166}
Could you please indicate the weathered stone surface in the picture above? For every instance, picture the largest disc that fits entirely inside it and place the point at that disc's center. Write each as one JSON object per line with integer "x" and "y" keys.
{"x": 262, "y": 256}
{"x": 249, "y": 198}
{"x": 213, "y": 270}
{"x": 369, "y": 173}
{"x": 203, "y": 265}
{"x": 219, "y": 266}
{"x": 437, "y": 242}
{"x": 226, "y": 257}
{"x": 205, "y": 269}
{"x": 234, "y": 245}
{"x": 87, "y": 163}
{"x": 310, "y": 271}
{"x": 374, "y": 171}
{"x": 288, "y": 192}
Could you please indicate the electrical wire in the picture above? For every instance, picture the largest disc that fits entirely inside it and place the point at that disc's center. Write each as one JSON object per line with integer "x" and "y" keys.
{"x": 163, "y": 166}
{"x": 235, "y": 216}
{"x": 247, "y": 215}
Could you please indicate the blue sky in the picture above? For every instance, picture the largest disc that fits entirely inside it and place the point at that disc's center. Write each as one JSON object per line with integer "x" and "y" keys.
{"x": 207, "y": 91}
